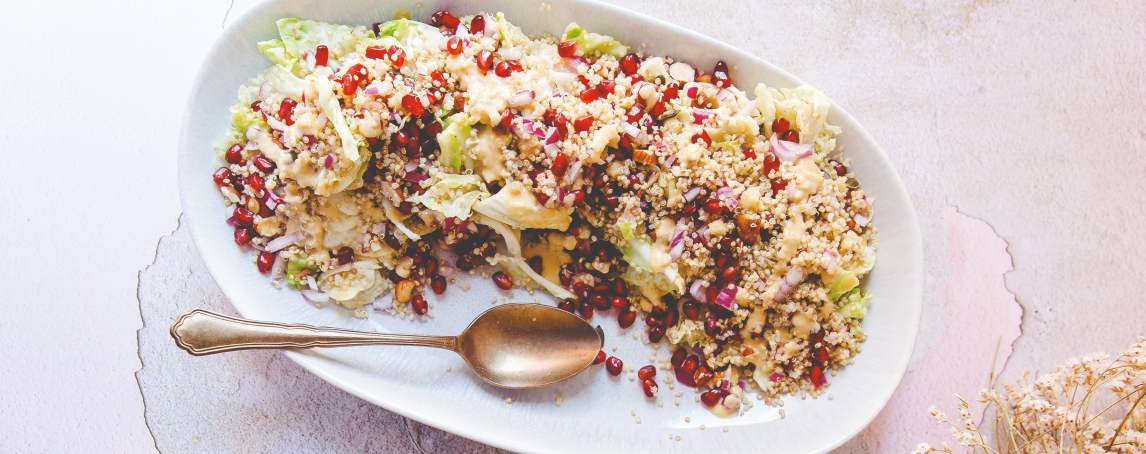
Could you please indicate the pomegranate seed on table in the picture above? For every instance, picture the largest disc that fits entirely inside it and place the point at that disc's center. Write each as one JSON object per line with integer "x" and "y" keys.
{"x": 502, "y": 280}
{"x": 454, "y": 46}
{"x": 600, "y": 358}
{"x": 690, "y": 364}
{"x": 650, "y": 387}
{"x": 816, "y": 376}
{"x": 321, "y": 55}
{"x": 585, "y": 309}
{"x": 614, "y": 365}
{"x": 477, "y": 24}
{"x": 243, "y": 236}
{"x": 567, "y": 306}
{"x": 234, "y": 154}
{"x": 436, "y": 19}
{"x": 438, "y": 284}
{"x": 653, "y": 320}
{"x": 678, "y": 357}
{"x": 619, "y": 301}
{"x": 567, "y": 49}
{"x": 626, "y": 318}
{"x": 431, "y": 266}
{"x": 418, "y": 303}
{"x": 702, "y": 376}
{"x": 647, "y": 372}
{"x": 710, "y": 398}
{"x": 600, "y": 302}
{"x": 265, "y": 261}
{"x": 222, "y": 176}
{"x": 656, "y": 333}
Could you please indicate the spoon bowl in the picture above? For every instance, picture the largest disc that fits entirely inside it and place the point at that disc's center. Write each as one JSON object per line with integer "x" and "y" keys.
{"x": 512, "y": 346}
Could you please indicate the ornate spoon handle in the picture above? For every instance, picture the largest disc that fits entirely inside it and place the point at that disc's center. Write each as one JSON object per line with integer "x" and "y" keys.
{"x": 202, "y": 332}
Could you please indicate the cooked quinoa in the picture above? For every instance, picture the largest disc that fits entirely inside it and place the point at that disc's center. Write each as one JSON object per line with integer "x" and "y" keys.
{"x": 619, "y": 182}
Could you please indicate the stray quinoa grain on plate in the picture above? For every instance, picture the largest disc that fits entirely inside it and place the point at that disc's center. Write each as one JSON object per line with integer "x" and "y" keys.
{"x": 616, "y": 181}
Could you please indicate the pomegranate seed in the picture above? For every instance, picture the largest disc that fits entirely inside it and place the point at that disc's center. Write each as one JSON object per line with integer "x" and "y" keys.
{"x": 730, "y": 274}
{"x": 349, "y": 87}
{"x": 265, "y": 262}
{"x": 585, "y": 309}
{"x": 506, "y": 121}
{"x": 815, "y": 337}
{"x": 654, "y": 320}
{"x": 418, "y": 302}
{"x": 567, "y": 49}
{"x": 264, "y": 165}
{"x": 778, "y": 185}
{"x": 396, "y": 55}
{"x": 629, "y": 64}
{"x": 816, "y": 376}
{"x": 257, "y": 107}
{"x": 376, "y": 52}
{"x": 702, "y": 136}
{"x": 243, "y": 236}
{"x": 578, "y": 196}
{"x": 438, "y": 284}
{"x": 619, "y": 301}
{"x": 691, "y": 309}
{"x": 286, "y": 109}
{"x": 612, "y": 201}
{"x": 484, "y": 60}
{"x": 412, "y": 105}
{"x": 710, "y": 325}
{"x": 222, "y": 176}
{"x": 678, "y": 357}
{"x": 626, "y": 318}
{"x": 711, "y": 293}
{"x": 671, "y": 92}
{"x": 321, "y": 55}
{"x": 710, "y": 398}
{"x": 590, "y": 95}
{"x": 345, "y": 255}
{"x": 714, "y": 206}
{"x": 780, "y": 126}
{"x": 749, "y": 153}
{"x": 656, "y": 333}
{"x": 620, "y": 288}
{"x": 477, "y": 25}
{"x": 450, "y": 21}
{"x": 502, "y": 280}
{"x": 790, "y": 136}
{"x": 560, "y": 165}
{"x": 600, "y": 358}
{"x": 567, "y": 306}
{"x": 255, "y": 182}
{"x": 235, "y": 154}
{"x": 502, "y": 69}
{"x": 720, "y": 75}
{"x": 606, "y": 88}
{"x": 244, "y": 217}
{"x": 436, "y": 19}
{"x": 690, "y": 364}
{"x": 583, "y": 124}
{"x": 650, "y": 387}
{"x": 841, "y": 170}
{"x": 613, "y": 365}
{"x": 454, "y": 45}
{"x": 659, "y": 107}
{"x": 647, "y": 372}
{"x": 670, "y": 319}
{"x": 702, "y": 376}
{"x": 536, "y": 264}
{"x": 692, "y": 91}
{"x": 821, "y": 355}
{"x": 600, "y": 302}
{"x": 543, "y": 198}
{"x": 405, "y": 207}
{"x": 515, "y": 66}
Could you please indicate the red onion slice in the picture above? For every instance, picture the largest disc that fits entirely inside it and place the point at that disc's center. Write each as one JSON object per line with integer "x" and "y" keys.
{"x": 551, "y": 150}
{"x": 265, "y": 90}
{"x": 415, "y": 177}
{"x": 776, "y": 376}
{"x": 630, "y": 129}
{"x": 311, "y": 282}
{"x": 577, "y": 64}
{"x": 551, "y": 137}
{"x": 276, "y": 125}
{"x": 727, "y": 297}
{"x": 281, "y": 242}
{"x": 788, "y": 283}
{"x": 788, "y": 151}
{"x": 699, "y": 115}
{"x": 691, "y": 193}
{"x": 677, "y": 235}
{"x": 411, "y": 166}
{"x": 230, "y": 212}
{"x": 748, "y": 109}
{"x": 573, "y": 172}
{"x": 492, "y": 28}
{"x": 384, "y": 303}
{"x": 697, "y": 290}
{"x": 329, "y": 161}
{"x": 521, "y": 98}
{"x": 862, "y": 220}
{"x": 676, "y": 251}
{"x": 726, "y": 97}
{"x": 373, "y": 88}
{"x": 670, "y": 160}
{"x": 314, "y": 296}
{"x": 279, "y": 265}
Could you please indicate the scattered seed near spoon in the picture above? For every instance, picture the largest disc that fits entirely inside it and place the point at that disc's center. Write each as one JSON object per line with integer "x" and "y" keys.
{"x": 511, "y": 346}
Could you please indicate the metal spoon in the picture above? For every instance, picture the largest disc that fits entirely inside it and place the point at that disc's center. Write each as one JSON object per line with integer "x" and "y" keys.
{"x": 511, "y": 346}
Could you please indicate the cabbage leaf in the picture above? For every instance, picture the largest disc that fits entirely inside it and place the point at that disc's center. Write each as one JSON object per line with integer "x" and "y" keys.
{"x": 588, "y": 43}
{"x": 453, "y": 195}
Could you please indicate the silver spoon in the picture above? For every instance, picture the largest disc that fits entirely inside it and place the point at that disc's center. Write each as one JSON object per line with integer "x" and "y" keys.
{"x": 511, "y": 346}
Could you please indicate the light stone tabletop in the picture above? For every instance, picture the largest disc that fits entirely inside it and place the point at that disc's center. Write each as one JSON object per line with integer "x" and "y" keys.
{"x": 1018, "y": 127}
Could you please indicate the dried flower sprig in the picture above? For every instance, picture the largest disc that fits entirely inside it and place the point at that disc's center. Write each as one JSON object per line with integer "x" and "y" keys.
{"x": 1052, "y": 413}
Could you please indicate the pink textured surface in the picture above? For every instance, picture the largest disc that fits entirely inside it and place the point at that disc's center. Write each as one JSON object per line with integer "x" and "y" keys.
{"x": 979, "y": 315}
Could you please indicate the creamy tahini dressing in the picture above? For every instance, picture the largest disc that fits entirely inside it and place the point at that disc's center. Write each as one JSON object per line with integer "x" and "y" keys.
{"x": 659, "y": 258}
{"x": 808, "y": 179}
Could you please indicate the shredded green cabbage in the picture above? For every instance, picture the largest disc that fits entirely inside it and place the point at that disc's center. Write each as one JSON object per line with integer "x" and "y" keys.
{"x": 453, "y": 195}
{"x": 854, "y": 304}
{"x": 452, "y": 140}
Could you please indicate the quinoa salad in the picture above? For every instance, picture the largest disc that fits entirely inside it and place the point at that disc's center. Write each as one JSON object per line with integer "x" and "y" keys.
{"x": 366, "y": 165}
